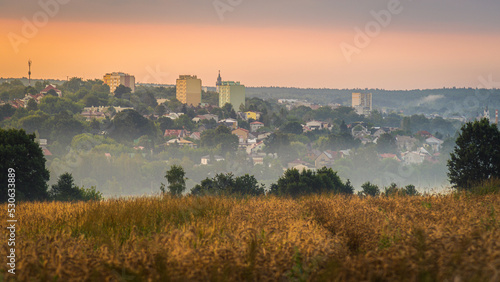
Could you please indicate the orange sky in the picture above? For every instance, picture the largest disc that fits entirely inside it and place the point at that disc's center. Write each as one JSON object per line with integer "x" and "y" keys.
{"x": 256, "y": 56}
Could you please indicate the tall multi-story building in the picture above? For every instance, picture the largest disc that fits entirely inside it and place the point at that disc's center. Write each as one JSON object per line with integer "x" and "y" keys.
{"x": 362, "y": 103}
{"x": 233, "y": 93}
{"x": 114, "y": 79}
{"x": 189, "y": 90}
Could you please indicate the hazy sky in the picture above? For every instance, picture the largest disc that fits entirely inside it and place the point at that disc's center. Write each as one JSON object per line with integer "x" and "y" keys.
{"x": 317, "y": 43}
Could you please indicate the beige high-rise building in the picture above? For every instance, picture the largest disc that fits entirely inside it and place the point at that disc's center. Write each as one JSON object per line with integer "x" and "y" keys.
{"x": 189, "y": 90}
{"x": 114, "y": 79}
{"x": 233, "y": 93}
{"x": 362, "y": 103}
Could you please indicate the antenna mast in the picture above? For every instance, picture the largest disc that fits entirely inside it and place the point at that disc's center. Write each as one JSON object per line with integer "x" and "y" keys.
{"x": 29, "y": 72}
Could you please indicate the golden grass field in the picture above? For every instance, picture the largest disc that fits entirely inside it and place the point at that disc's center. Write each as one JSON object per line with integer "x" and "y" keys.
{"x": 319, "y": 238}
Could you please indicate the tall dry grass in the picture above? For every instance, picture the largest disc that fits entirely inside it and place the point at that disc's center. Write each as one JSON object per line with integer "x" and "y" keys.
{"x": 319, "y": 238}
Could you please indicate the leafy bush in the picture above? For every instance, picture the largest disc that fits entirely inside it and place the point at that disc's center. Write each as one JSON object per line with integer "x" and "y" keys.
{"x": 490, "y": 186}
{"x": 90, "y": 194}
{"x": 394, "y": 190}
{"x": 66, "y": 190}
{"x": 294, "y": 183}
{"x": 370, "y": 189}
{"x": 226, "y": 184}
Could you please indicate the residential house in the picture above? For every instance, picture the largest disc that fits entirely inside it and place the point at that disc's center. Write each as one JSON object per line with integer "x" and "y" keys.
{"x": 17, "y": 103}
{"x": 173, "y": 115}
{"x": 435, "y": 143}
{"x": 176, "y": 133}
{"x": 254, "y": 148}
{"x": 252, "y": 115}
{"x": 406, "y": 143}
{"x": 263, "y": 135}
{"x": 90, "y": 115}
{"x": 379, "y": 131}
{"x": 242, "y": 135}
{"x": 195, "y": 136}
{"x": 389, "y": 156}
{"x": 43, "y": 145}
{"x": 199, "y": 118}
{"x": 181, "y": 142}
{"x": 257, "y": 159}
{"x": 299, "y": 165}
{"x": 425, "y": 134}
{"x": 206, "y": 160}
{"x": 416, "y": 157}
{"x": 231, "y": 123}
{"x": 359, "y": 131}
{"x": 345, "y": 153}
{"x": 413, "y": 158}
{"x": 51, "y": 87}
{"x": 317, "y": 125}
{"x": 36, "y": 97}
{"x": 252, "y": 139}
{"x": 326, "y": 158}
{"x": 254, "y": 126}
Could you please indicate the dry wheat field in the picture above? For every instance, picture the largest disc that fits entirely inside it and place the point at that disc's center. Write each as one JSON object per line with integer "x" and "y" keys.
{"x": 319, "y": 238}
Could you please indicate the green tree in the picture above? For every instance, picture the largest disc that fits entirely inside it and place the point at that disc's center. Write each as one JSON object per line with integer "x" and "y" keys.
{"x": 343, "y": 128}
{"x": 176, "y": 180}
{"x": 121, "y": 90}
{"x": 20, "y": 152}
{"x": 130, "y": 125}
{"x": 166, "y": 123}
{"x": 294, "y": 183}
{"x": 160, "y": 110}
{"x": 65, "y": 189}
{"x": 293, "y": 127}
{"x": 476, "y": 156}
{"x": 370, "y": 189}
{"x": 54, "y": 105}
{"x": 32, "y": 105}
{"x": 406, "y": 125}
{"x": 220, "y": 138}
{"x": 386, "y": 143}
{"x": 52, "y": 92}
{"x": 341, "y": 141}
{"x": 6, "y": 111}
{"x": 74, "y": 84}
{"x": 278, "y": 142}
{"x": 410, "y": 190}
{"x": 226, "y": 184}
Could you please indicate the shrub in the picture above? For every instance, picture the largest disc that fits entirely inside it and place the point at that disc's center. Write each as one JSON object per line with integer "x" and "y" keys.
{"x": 370, "y": 189}
{"x": 226, "y": 184}
{"x": 294, "y": 183}
{"x": 490, "y": 186}
{"x": 66, "y": 190}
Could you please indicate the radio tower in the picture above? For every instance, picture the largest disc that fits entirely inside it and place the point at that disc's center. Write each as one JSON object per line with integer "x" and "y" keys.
{"x": 496, "y": 117}
{"x": 29, "y": 72}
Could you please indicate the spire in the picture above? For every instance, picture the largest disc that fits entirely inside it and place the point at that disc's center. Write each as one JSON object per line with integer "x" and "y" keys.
{"x": 219, "y": 80}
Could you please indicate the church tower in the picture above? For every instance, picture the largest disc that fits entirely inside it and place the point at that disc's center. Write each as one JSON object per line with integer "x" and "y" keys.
{"x": 218, "y": 83}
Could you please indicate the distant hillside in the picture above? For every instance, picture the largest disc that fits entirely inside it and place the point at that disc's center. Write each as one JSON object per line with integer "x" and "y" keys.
{"x": 448, "y": 101}
{"x": 466, "y": 102}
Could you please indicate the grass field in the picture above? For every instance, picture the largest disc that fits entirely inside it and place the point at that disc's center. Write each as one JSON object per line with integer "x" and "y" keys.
{"x": 321, "y": 238}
